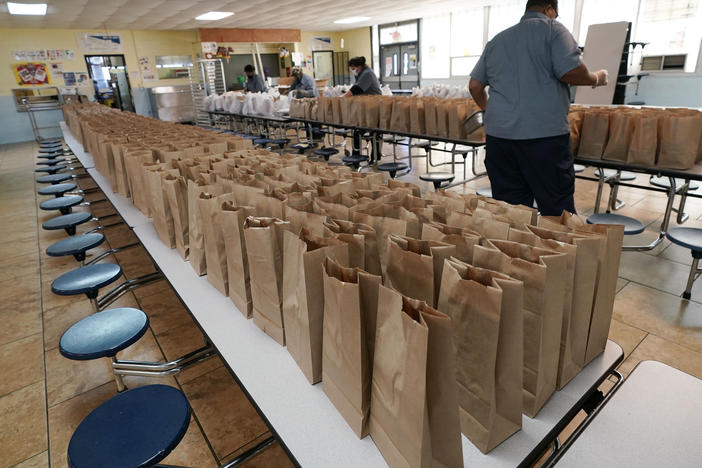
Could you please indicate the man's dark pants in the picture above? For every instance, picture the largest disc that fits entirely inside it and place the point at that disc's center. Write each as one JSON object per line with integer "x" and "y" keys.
{"x": 523, "y": 170}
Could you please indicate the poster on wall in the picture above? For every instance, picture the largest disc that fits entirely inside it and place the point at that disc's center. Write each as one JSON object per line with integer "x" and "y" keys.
{"x": 69, "y": 78}
{"x": 57, "y": 68}
{"x": 31, "y": 74}
{"x": 147, "y": 72}
{"x": 209, "y": 49}
{"x": 43, "y": 54}
{"x": 96, "y": 42}
{"x": 321, "y": 43}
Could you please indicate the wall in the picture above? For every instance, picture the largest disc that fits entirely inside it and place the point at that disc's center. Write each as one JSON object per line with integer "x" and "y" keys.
{"x": 668, "y": 89}
{"x": 356, "y": 42}
{"x": 15, "y": 126}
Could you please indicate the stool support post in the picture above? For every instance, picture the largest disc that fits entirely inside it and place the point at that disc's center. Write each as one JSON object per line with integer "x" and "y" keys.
{"x": 250, "y": 453}
{"x": 118, "y": 378}
{"x": 694, "y": 271}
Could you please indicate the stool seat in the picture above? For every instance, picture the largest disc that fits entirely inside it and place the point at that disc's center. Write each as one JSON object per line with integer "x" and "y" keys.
{"x": 51, "y": 149}
{"x": 578, "y": 168}
{"x": 326, "y": 153}
{"x": 86, "y": 280}
{"x": 301, "y": 147}
{"x": 625, "y": 176}
{"x": 51, "y": 169}
{"x": 48, "y": 141}
{"x": 57, "y": 189}
{"x": 76, "y": 245}
{"x": 50, "y": 156}
{"x": 67, "y": 222}
{"x": 51, "y": 162}
{"x": 103, "y": 334}
{"x": 54, "y": 178}
{"x": 354, "y": 160}
{"x": 631, "y": 226}
{"x": 279, "y": 141}
{"x": 392, "y": 168}
{"x": 262, "y": 141}
{"x": 63, "y": 204}
{"x": 485, "y": 192}
{"x": 690, "y": 238}
{"x": 437, "y": 178}
{"x": 664, "y": 182}
{"x": 393, "y": 138}
{"x": 137, "y": 428}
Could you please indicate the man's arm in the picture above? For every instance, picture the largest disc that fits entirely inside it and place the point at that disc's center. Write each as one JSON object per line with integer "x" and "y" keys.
{"x": 477, "y": 90}
{"x": 581, "y": 76}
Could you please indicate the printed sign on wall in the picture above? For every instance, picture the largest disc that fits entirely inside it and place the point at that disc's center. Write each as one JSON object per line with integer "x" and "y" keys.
{"x": 96, "y": 42}
{"x": 31, "y": 74}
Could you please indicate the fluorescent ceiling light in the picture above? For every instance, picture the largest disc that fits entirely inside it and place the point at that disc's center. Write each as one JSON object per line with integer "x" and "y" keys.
{"x": 352, "y": 19}
{"x": 214, "y": 15}
{"x": 38, "y": 9}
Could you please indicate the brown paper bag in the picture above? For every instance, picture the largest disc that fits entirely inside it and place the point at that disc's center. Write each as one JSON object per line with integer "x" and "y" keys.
{"x": 160, "y": 211}
{"x": 487, "y": 227}
{"x": 176, "y": 192}
{"x": 399, "y": 120}
{"x": 366, "y": 258}
{"x": 415, "y": 267}
{"x": 575, "y": 331}
{"x": 679, "y": 141}
{"x": 486, "y": 311}
{"x": 371, "y": 108}
{"x": 215, "y": 252}
{"x": 442, "y": 111}
{"x": 575, "y": 120}
{"x": 350, "y": 310}
{"x": 594, "y": 135}
{"x": 457, "y": 113}
{"x": 230, "y": 222}
{"x": 644, "y": 140}
{"x": 543, "y": 273}
{"x": 196, "y": 240}
{"x": 621, "y": 129}
{"x": 264, "y": 250}
{"x": 385, "y": 112}
{"x": 417, "y": 116}
{"x": 137, "y": 185}
{"x": 303, "y": 301}
{"x": 464, "y": 239}
{"x": 414, "y": 398}
{"x": 430, "y": 116}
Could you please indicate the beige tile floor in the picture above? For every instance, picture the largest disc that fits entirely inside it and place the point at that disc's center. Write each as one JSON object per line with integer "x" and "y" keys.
{"x": 44, "y": 396}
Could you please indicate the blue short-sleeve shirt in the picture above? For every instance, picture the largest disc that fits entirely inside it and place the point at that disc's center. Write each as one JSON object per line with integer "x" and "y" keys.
{"x": 523, "y": 66}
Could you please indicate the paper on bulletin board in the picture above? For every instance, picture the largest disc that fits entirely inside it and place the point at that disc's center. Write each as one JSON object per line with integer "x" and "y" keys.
{"x": 96, "y": 42}
{"x": 69, "y": 78}
{"x": 31, "y": 74}
{"x": 57, "y": 68}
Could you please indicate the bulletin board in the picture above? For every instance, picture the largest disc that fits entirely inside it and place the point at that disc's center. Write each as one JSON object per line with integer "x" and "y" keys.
{"x": 32, "y": 73}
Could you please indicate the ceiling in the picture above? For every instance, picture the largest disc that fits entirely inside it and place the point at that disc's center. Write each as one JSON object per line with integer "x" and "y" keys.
{"x": 308, "y": 15}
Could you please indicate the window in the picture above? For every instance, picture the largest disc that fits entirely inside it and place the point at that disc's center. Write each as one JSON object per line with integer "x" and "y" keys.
{"x": 671, "y": 27}
{"x": 436, "y": 50}
{"x": 395, "y": 34}
{"x": 504, "y": 15}
{"x": 566, "y": 13}
{"x": 467, "y": 32}
{"x": 606, "y": 11}
{"x": 462, "y": 66}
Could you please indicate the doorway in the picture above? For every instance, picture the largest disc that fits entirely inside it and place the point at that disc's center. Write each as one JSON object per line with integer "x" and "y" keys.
{"x": 111, "y": 81}
{"x": 399, "y": 54}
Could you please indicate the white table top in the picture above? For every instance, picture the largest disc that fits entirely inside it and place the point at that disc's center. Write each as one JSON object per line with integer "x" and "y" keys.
{"x": 301, "y": 415}
{"x": 84, "y": 157}
{"x": 131, "y": 215}
{"x": 653, "y": 420}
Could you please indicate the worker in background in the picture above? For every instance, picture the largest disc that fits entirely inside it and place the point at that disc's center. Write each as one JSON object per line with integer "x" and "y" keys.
{"x": 303, "y": 85}
{"x": 254, "y": 83}
{"x": 528, "y": 68}
{"x": 366, "y": 83}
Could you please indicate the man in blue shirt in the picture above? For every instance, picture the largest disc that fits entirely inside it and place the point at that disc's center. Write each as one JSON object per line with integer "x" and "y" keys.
{"x": 528, "y": 68}
{"x": 303, "y": 85}
{"x": 254, "y": 83}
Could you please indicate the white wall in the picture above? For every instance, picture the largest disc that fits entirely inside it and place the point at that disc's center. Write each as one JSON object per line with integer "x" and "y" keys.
{"x": 674, "y": 89}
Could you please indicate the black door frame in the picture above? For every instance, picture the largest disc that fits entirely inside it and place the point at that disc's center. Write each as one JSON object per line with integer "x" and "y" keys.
{"x": 126, "y": 74}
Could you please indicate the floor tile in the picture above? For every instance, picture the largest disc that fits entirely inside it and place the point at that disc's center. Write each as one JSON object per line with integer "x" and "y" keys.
{"x": 37, "y": 461}
{"x": 65, "y": 417}
{"x": 654, "y": 272}
{"x": 274, "y": 456}
{"x": 192, "y": 450}
{"x": 658, "y": 349}
{"x": 23, "y": 428}
{"x": 661, "y": 314}
{"x": 20, "y": 322}
{"x": 66, "y": 378}
{"x": 19, "y": 267}
{"x": 225, "y": 414}
{"x": 184, "y": 339}
{"x": 165, "y": 310}
{"x": 21, "y": 363}
{"x": 626, "y": 336}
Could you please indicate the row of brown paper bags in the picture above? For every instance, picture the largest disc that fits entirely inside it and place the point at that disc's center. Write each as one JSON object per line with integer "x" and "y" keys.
{"x": 645, "y": 137}
{"x": 280, "y": 315}
{"x": 419, "y": 115}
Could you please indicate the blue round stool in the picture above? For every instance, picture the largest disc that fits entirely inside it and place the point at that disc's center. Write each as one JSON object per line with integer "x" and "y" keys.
{"x": 51, "y": 162}
{"x": 50, "y": 149}
{"x": 51, "y": 169}
{"x": 137, "y": 428}
{"x": 67, "y": 222}
{"x": 57, "y": 190}
{"x": 76, "y": 246}
{"x": 392, "y": 168}
{"x": 62, "y": 204}
{"x": 262, "y": 141}
{"x": 690, "y": 238}
{"x": 631, "y": 226}
{"x": 326, "y": 153}
{"x": 578, "y": 168}
{"x": 301, "y": 147}
{"x": 664, "y": 182}
{"x": 103, "y": 334}
{"x": 354, "y": 160}
{"x": 625, "y": 175}
{"x": 54, "y": 155}
{"x": 281, "y": 142}
{"x": 437, "y": 178}
{"x": 86, "y": 280}
{"x": 54, "y": 178}
{"x": 485, "y": 192}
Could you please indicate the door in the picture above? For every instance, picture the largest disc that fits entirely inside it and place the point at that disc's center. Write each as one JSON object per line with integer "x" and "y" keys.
{"x": 390, "y": 66}
{"x": 409, "y": 66}
{"x": 111, "y": 80}
{"x": 323, "y": 64}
